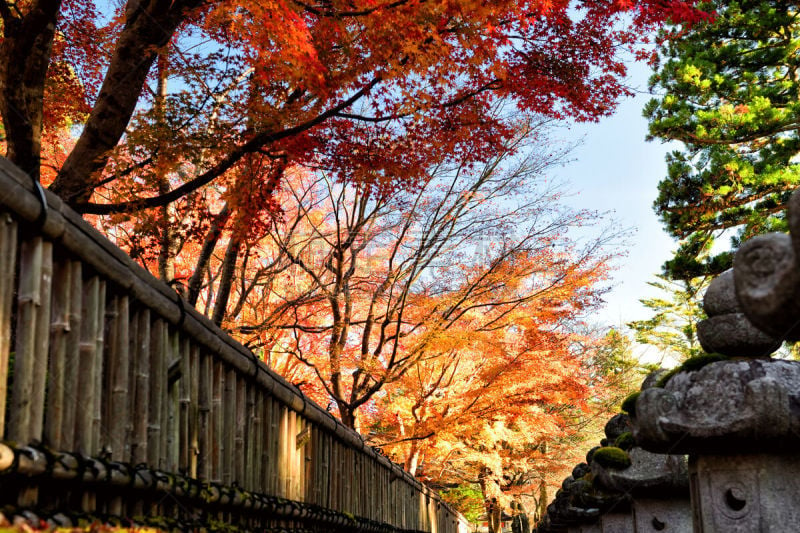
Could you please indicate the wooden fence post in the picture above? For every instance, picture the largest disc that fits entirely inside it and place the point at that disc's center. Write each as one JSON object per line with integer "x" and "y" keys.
{"x": 8, "y": 261}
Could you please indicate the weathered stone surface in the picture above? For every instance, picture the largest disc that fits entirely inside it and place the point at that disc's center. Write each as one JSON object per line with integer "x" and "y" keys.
{"x": 727, "y": 330}
{"x": 564, "y": 512}
{"x": 793, "y": 216}
{"x": 732, "y": 334}
{"x": 670, "y": 515}
{"x": 580, "y": 470}
{"x": 746, "y": 493}
{"x": 585, "y": 528}
{"x": 590, "y": 454}
{"x": 653, "y": 377}
{"x": 616, "y": 426}
{"x": 649, "y": 475}
{"x": 767, "y": 281}
{"x": 617, "y": 523}
{"x": 725, "y": 407}
{"x": 720, "y": 297}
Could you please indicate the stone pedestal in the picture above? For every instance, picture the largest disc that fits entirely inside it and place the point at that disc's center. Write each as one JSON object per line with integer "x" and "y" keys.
{"x": 617, "y": 523}
{"x": 586, "y": 528}
{"x": 746, "y": 493}
{"x": 659, "y": 487}
{"x": 667, "y": 515}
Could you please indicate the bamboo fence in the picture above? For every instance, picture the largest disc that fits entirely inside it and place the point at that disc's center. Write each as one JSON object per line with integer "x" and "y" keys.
{"x": 120, "y": 402}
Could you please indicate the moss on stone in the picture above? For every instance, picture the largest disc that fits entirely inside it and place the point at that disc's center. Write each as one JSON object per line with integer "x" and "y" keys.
{"x": 629, "y": 403}
{"x": 625, "y": 441}
{"x": 612, "y": 457}
{"x": 696, "y": 363}
{"x": 691, "y": 365}
{"x": 662, "y": 381}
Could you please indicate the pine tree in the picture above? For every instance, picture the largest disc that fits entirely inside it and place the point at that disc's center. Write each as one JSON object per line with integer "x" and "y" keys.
{"x": 673, "y": 327}
{"x": 730, "y": 95}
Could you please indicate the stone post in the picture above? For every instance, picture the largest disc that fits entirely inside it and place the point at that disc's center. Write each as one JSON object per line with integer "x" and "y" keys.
{"x": 657, "y": 485}
{"x": 736, "y": 412}
{"x": 622, "y": 489}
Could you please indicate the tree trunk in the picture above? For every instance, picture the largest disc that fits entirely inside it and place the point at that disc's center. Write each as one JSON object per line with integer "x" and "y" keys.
{"x": 542, "y": 500}
{"x": 412, "y": 460}
{"x": 490, "y": 488}
{"x": 210, "y": 242}
{"x": 149, "y": 26}
{"x": 24, "y": 58}
{"x": 166, "y": 260}
{"x": 226, "y": 280}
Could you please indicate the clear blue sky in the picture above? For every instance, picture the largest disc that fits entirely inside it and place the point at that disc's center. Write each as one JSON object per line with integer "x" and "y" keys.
{"x": 616, "y": 170}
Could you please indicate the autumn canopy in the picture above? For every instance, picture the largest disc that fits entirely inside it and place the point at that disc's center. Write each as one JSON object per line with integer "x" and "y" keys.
{"x": 372, "y": 90}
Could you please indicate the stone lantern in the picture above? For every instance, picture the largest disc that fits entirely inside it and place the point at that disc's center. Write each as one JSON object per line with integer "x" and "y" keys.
{"x": 736, "y": 412}
{"x": 622, "y": 489}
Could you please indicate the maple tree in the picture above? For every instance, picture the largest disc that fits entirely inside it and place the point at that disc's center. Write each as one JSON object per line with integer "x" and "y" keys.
{"x": 729, "y": 94}
{"x": 508, "y": 417}
{"x": 331, "y": 83}
{"x": 380, "y": 280}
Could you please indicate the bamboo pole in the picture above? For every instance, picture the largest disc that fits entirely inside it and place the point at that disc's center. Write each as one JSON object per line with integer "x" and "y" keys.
{"x": 370, "y": 488}
{"x": 204, "y": 393}
{"x": 110, "y": 345}
{"x": 133, "y": 354}
{"x": 284, "y": 480}
{"x": 28, "y": 300}
{"x": 349, "y": 481}
{"x": 252, "y": 426}
{"x": 258, "y": 439}
{"x": 157, "y": 391}
{"x": 86, "y": 377}
{"x": 41, "y": 344}
{"x": 355, "y": 482}
{"x": 217, "y": 421}
{"x": 268, "y": 456}
{"x": 26, "y": 415}
{"x": 116, "y": 414}
{"x": 184, "y": 404}
{"x": 326, "y": 471}
{"x": 228, "y": 426}
{"x": 194, "y": 402}
{"x": 8, "y": 260}
{"x": 310, "y": 466}
{"x": 140, "y": 410}
{"x": 59, "y": 331}
{"x": 72, "y": 364}
{"x": 292, "y": 453}
{"x": 307, "y": 464}
{"x": 277, "y": 438}
{"x": 99, "y": 370}
{"x": 239, "y": 455}
{"x": 120, "y": 388}
{"x": 333, "y": 486}
{"x": 169, "y": 408}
